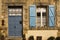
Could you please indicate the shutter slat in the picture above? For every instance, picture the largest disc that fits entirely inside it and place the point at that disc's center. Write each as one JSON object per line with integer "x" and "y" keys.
{"x": 51, "y": 11}
{"x": 51, "y": 15}
{"x": 51, "y": 21}
{"x": 32, "y": 21}
{"x": 32, "y": 16}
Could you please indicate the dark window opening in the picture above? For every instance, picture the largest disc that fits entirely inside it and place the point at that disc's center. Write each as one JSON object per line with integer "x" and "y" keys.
{"x": 51, "y": 38}
{"x": 14, "y": 7}
{"x": 31, "y": 38}
{"x": 2, "y": 22}
{"x": 39, "y": 37}
{"x": 38, "y": 14}
{"x": 42, "y": 6}
{"x": 57, "y": 38}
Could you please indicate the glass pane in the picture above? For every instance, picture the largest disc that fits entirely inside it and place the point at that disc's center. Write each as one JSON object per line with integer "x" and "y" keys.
{"x": 15, "y": 12}
{"x": 38, "y": 14}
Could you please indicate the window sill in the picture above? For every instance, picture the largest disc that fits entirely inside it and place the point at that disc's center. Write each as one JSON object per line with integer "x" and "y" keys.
{"x": 45, "y": 28}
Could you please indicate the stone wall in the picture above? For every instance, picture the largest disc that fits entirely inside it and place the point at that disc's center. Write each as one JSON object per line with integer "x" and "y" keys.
{"x": 58, "y": 16}
{"x": 26, "y": 3}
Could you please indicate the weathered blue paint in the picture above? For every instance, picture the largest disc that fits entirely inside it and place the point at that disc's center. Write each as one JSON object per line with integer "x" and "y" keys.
{"x": 51, "y": 15}
{"x": 32, "y": 16}
{"x": 15, "y": 28}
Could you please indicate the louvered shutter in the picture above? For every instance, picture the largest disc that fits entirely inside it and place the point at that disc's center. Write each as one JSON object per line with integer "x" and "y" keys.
{"x": 51, "y": 15}
{"x": 32, "y": 16}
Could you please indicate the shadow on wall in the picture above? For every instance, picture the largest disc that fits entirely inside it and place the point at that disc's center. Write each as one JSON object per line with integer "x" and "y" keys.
{"x": 50, "y": 38}
{"x": 24, "y": 37}
{"x": 53, "y": 38}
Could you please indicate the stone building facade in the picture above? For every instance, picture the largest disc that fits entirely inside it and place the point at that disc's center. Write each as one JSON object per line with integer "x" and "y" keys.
{"x": 45, "y": 31}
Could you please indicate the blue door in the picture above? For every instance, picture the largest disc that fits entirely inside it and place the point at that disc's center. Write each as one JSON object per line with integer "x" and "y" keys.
{"x": 15, "y": 26}
{"x": 15, "y": 23}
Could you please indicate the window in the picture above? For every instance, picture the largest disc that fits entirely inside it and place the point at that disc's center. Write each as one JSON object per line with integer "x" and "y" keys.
{"x": 41, "y": 12}
{"x": 42, "y": 15}
{"x": 31, "y": 38}
{"x": 2, "y": 22}
{"x": 51, "y": 38}
{"x": 39, "y": 37}
{"x": 57, "y": 38}
{"x": 15, "y": 11}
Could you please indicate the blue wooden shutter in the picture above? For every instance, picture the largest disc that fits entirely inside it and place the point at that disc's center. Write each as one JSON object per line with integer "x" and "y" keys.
{"x": 32, "y": 16}
{"x": 51, "y": 15}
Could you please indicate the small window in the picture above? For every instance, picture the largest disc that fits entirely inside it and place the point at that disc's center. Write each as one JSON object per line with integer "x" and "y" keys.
{"x": 41, "y": 15}
{"x": 2, "y": 22}
{"x": 31, "y": 38}
{"x": 39, "y": 37}
{"x": 15, "y": 11}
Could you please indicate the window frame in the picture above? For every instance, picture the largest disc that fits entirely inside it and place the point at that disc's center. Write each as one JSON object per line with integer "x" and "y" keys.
{"x": 44, "y": 6}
